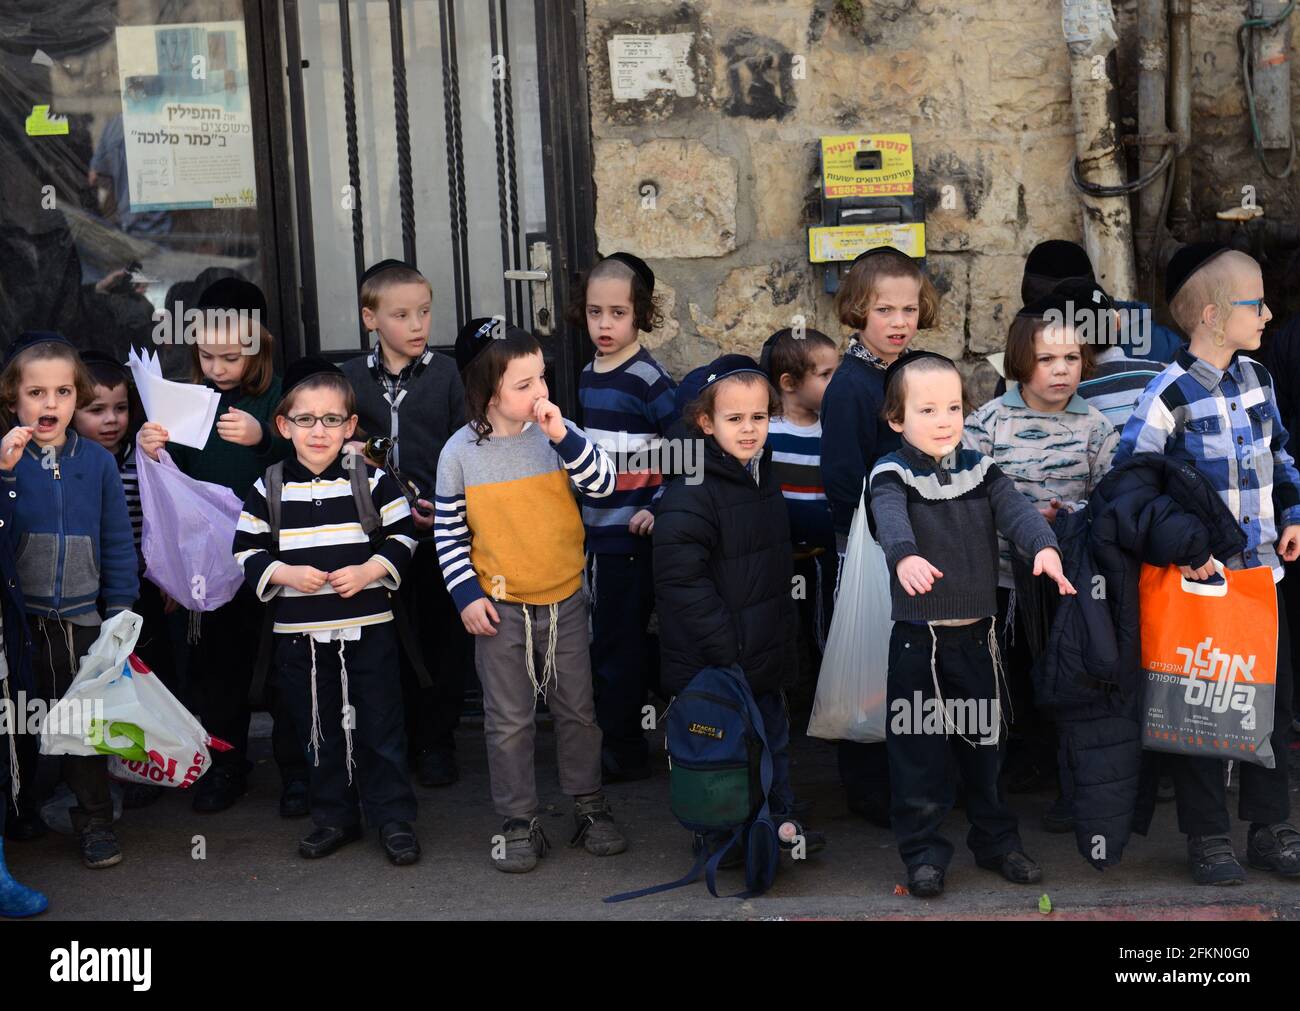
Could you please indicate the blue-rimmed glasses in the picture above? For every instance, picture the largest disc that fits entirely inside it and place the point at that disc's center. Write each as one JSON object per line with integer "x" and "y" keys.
{"x": 1258, "y": 303}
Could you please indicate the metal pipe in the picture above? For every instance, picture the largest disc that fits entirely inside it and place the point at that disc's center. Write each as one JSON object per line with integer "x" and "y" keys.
{"x": 1180, "y": 111}
{"x": 1153, "y": 65}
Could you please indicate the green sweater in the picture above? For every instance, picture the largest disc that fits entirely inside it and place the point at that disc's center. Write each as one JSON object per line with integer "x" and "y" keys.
{"x": 236, "y": 467}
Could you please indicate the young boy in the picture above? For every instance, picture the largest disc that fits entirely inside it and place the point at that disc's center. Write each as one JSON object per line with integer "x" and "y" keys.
{"x": 1215, "y": 408}
{"x": 627, "y": 407}
{"x": 336, "y": 651}
{"x": 413, "y": 395}
{"x": 934, "y": 501}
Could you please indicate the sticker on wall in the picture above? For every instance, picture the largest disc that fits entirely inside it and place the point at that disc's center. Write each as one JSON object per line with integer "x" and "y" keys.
{"x": 871, "y": 165}
{"x": 641, "y": 64}
{"x": 846, "y": 242}
{"x": 41, "y": 124}
{"x": 186, "y": 116}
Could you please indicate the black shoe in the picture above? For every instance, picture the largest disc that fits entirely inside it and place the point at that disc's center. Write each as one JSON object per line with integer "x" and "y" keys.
{"x": 1015, "y": 866}
{"x": 872, "y": 810}
{"x": 99, "y": 847}
{"x": 1274, "y": 848}
{"x": 325, "y": 841}
{"x": 137, "y": 795}
{"x": 436, "y": 768}
{"x": 400, "y": 843}
{"x": 813, "y": 842}
{"x": 24, "y": 827}
{"x": 925, "y": 881}
{"x": 735, "y": 854}
{"x": 1213, "y": 861}
{"x": 293, "y": 800}
{"x": 1059, "y": 818}
{"x": 619, "y": 772}
{"x": 219, "y": 789}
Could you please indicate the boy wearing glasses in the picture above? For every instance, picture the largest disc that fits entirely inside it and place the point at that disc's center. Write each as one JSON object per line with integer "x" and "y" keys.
{"x": 308, "y": 551}
{"x": 1215, "y": 408}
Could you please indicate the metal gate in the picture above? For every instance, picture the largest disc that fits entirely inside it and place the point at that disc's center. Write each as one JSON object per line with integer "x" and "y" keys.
{"x": 448, "y": 133}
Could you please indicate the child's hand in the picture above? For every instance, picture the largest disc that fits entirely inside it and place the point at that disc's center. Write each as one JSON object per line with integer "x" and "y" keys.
{"x": 11, "y": 447}
{"x": 1048, "y": 563}
{"x": 916, "y": 575}
{"x": 422, "y": 514}
{"x": 1204, "y": 571}
{"x": 153, "y": 437}
{"x": 239, "y": 427}
{"x": 479, "y": 617}
{"x": 1052, "y": 509}
{"x": 1289, "y": 546}
{"x": 642, "y": 523}
{"x": 303, "y": 578}
{"x": 550, "y": 420}
{"x": 359, "y": 448}
{"x": 352, "y": 579}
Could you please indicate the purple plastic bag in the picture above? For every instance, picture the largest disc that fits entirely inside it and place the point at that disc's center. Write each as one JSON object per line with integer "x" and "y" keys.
{"x": 189, "y": 532}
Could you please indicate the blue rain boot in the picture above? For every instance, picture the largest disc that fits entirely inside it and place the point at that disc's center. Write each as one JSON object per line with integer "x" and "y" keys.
{"x": 18, "y": 900}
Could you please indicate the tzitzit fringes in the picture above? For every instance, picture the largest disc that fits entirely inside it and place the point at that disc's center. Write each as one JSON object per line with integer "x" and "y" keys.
{"x": 999, "y": 679}
{"x": 530, "y": 663}
{"x": 819, "y": 608}
{"x": 347, "y": 717}
{"x": 315, "y": 707}
{"x": 14, "y": 778}
{"x": 195, "y": 629}
{"x": 948, "y": 722}
{"x": 552, "y": 641}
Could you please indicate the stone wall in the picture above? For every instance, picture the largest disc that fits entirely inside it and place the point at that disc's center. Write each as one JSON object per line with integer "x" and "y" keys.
{"x": 716, "y": 181}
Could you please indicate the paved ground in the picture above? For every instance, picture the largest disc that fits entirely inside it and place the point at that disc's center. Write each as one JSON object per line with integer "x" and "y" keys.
{"x": 252, "y": 870}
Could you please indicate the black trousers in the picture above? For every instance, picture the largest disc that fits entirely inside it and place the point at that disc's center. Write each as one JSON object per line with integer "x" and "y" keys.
{"x": 623, "y": 654}
{"x": 1199, "y": 788}
{"x": 919, "y": 773}
{"x": 220, "y": 675}
{"x": 432, "y": 714}
{"x": 1033, "y": 738}
{"x": 380, "y": 786}
{"x": 54, "y": 665}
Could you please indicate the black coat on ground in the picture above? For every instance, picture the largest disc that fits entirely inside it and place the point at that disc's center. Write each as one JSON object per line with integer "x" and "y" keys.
{"x": 723, "y": 572}
{"x": 1149, "y": 509}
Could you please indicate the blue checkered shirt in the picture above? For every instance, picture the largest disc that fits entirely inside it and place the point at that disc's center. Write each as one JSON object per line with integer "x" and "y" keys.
{"x": 1226, "y": 424}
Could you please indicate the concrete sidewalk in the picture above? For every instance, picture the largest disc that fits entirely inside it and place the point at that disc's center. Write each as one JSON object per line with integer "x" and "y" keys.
{"x": 252, "y": 870}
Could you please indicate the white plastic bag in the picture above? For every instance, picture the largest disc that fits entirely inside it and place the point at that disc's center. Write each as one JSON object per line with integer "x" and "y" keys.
{"x": 117, "y": 707}
{"x": 851, "y": 702}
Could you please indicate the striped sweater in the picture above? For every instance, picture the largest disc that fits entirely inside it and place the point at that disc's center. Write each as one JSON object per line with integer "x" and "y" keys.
{"x": 506, "y": 522}
{"x": 796, "y": 465}
{"x": 626, "y": 412}
{"x": 1047, "y": 454}
{"x": 951, "y": 513}
{"x": 319, "y": 527}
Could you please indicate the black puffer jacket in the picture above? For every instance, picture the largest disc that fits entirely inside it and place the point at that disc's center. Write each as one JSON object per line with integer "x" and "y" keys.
{"x": 1149, "y": 509}
{"x": 723, "y": 571}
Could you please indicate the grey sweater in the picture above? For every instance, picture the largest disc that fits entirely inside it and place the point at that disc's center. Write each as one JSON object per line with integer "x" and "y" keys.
{"x": 950, "y": 514}
{"x": 430, "y": 406}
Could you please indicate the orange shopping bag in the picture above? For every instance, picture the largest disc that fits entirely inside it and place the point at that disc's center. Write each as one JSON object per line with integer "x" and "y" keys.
{"x": 1209, "y": 650}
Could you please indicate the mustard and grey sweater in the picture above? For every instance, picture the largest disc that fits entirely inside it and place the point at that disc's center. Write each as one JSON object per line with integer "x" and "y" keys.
{"x": 506, "y": 521}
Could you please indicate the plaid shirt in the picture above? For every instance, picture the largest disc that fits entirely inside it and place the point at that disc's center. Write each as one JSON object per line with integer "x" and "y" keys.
{"x": 1227, "y": 425}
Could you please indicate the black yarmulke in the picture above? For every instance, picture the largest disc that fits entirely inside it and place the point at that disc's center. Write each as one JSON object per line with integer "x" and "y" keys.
{"x": 30, "y": 338}
{"x": 234, "y": 293}
{"x": 473, "y": 337}
{"x": 876, "y": 250}
{"x": 639, "y": 267}
{"x": 1083, "y": 292}
{"x": 730, "y": 365}
{"x": 380, "y": 267}
{"x": 902, "y": 361}
{"x": 1059, "y": 258}
{"x": 1187, "y": 261}
{"x": 305, "y": 367}
{"x": 1056, "y": 303}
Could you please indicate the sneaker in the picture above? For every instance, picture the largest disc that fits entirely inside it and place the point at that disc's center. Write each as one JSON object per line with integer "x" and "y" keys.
{"x": 219, "y": 789}
{"x": 1274, "y": 848}
{"x": 1015, "y": 866}
{"x": 925, "y": 881}
{"x": 1059, "y": 818}
{"x": 1212, "y": 860}
{"x": 595, "y": 827}
{"x": 293, "y": 800}
{"x": 436, "y": 768}
{"x": 99, "y": 847}
{"x": 525, "y": 844}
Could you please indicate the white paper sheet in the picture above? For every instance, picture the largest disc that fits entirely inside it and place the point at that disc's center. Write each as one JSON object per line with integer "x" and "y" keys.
{"x": 186, "y": 410}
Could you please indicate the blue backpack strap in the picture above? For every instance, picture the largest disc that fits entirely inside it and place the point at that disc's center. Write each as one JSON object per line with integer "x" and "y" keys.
{"x": 692, "y": 876}
{"x": 762, "y": 832}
